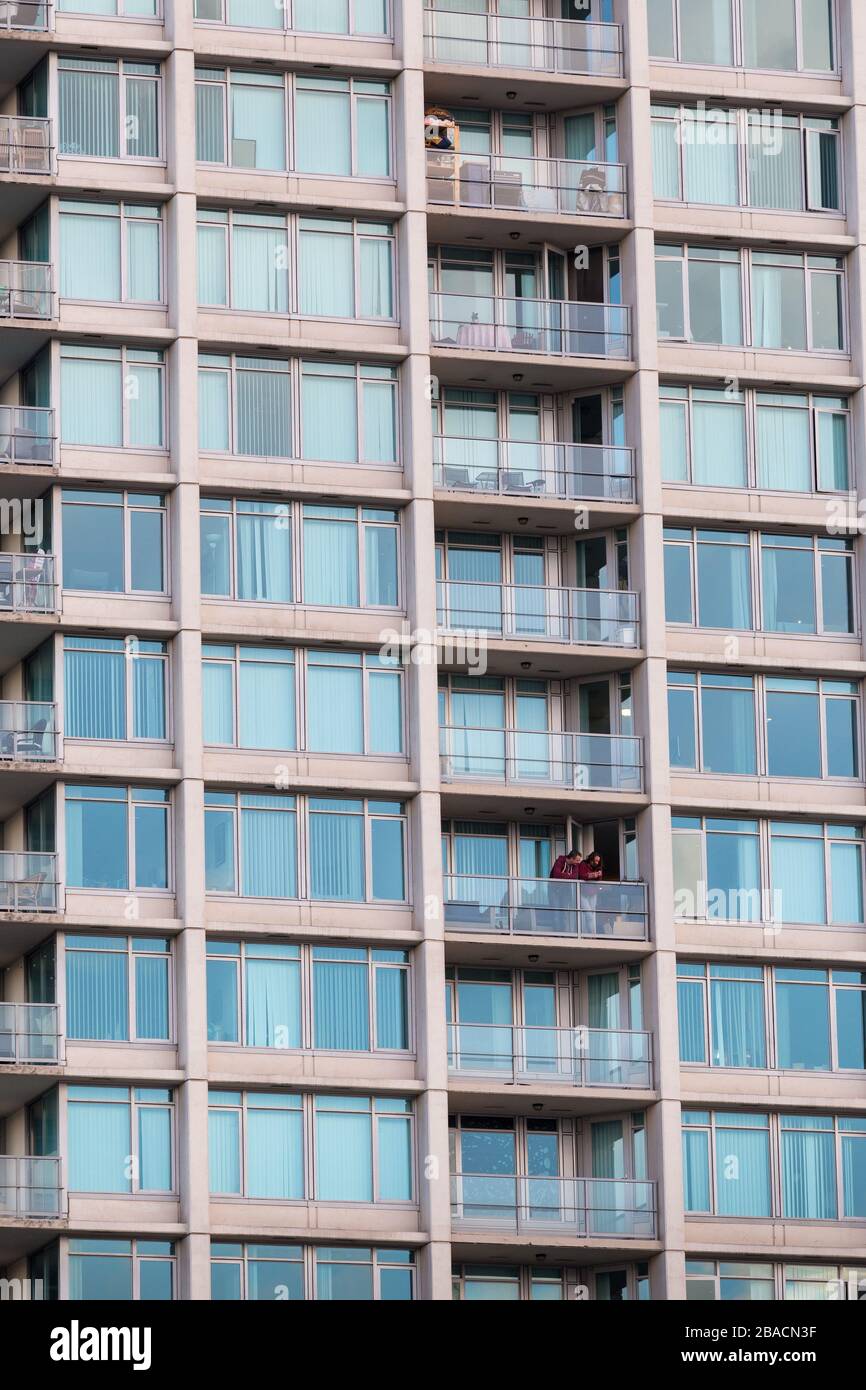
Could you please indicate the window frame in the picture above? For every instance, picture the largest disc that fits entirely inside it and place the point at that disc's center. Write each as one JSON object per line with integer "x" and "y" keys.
{"x": 123, "y": 77}
{"x": 309, "y": 1263}
{"x": 130, "y": 656}
{"x": 289, "y": 27}
{"x": 127, "y": 506}
{"x": 738, "y": 44}
{"x": 136, "y": 1256}
{"x": 130, "y": 802}
{"x": 76, "y": 207}
{"x": 134, "y": 1103}
{"x": 129, "y": 357}
{"x": 96, "y": 944}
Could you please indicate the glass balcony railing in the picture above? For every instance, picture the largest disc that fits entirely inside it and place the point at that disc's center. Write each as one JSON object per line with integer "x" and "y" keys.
{"x": 26, "y": 434}
{"x": 541, "y": 45}
{"x": 27, "y": 583}
{"x": 26, "y": 290}
{"x": 525, "y": 184}
{"x": 28, "y": 881}
{"x": 589, "y": 762}
{"x": 29, "y": 1033}
{"x": 29, "y": 1186}
{"x": 26, "y": 145}
{"x": 25, "y": 14}
{"x": 28, "y": 731}
{"x": 530, "y": 468}
{"x": 546, "y": 906}
{"x": 617, "y": 1207}
{"x": 602, "y": 617}
{"x": 573, "y": 1056}
{"x": 550, "y": 327}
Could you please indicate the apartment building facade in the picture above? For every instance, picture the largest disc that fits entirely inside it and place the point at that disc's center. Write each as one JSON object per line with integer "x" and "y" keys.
{"x": 431, "y": 441}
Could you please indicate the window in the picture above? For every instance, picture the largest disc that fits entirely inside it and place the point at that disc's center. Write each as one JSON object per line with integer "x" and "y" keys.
{"x": 246, "y": 550}
{"x": 726, "y": 1163}
{"x": 112, "y": 397}
{"x": 362, "y": 1147}
{"x": 292, "y": 1272}
{"x": 128, "y": 9}
{"x": 344, "y": 269}
{"x": 109, "y": 108}
{"x": 781, "y": 35}
{"x": 366, "y": 18}
{"x": 353, "y": 850}
{"x": 507, "y": 1284}
{"x": 353, "y": 701}
{"x": 810, "y": 727}
{"x": 349, "y": 557}
{"x": 120, "y": 1140}
{"x": 348, "y": 411}
{"x": 339, "y": 126}
{"x": 758, "y": 439}
{"x": 117, "y": 988}
{"x": 806, "y": 583}
{"x": 122, "y": 1270}
{"x": 115, "y": 688}
{"x": 260, "y": 995}
{"x": 117, "y": 838}
{"x": 797, "y": 300}
{"x": 812, "y": 874}
{"x": 746, "y": 159}
{"x": 782, "y": 1017}
{"x": 823, "y": 1167}
{"x": 111, "y": 252}
{"x": 114, "y": 542}
{"x": 708, "y": 1280}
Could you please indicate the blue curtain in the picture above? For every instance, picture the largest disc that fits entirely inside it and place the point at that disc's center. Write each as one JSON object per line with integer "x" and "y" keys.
{"x": 142, "y": 242}
{"x": 264, "y": 558}
{"x": 331, "y": 562}
{"x": 273, "y": 1003}
{"x": 696, "y": 1170}
{"x": 326, "y": 274}
{"x": 95, "y": 691}
{"x": 269, "y": 854}
{"x": 341, "y": 1005}
{"x": 386, "y": 712}
{"x": 394, "y": 1133}
{"x": 690, "y": 1010}
{"x": 808, "y": 1172}
{"x": 99, "y": 1146}
{"x": 797, "y": 873}
{"x": 388, "y": 852}
{"x": 148, "y": 697}
{"x": 151, "y": 997}
{"x": 218, "y": 698}
{"x": 742, "y": 1172}
{"x": 263, "y": 414}
{"x": 96, "y": 995}
{"x": 266, "y": 696}
{"x": 145, "y": 407}
{"x": 853, "y": 1175}
{"x": 846, "y": 883}
{"x": 224, "y": 1151}
{"x": 344, "y": 1157}
{"x": 211, "y": 247}
{"x": 783, "y": 448}
{"x": 322, "y": 133}
{"x": 260, "y": 278}
{"x": 380, "y": 555}
{"x": 89, "y": 109}
{"x": 213, "y": 411}
{"x": 737, "y": 1019}
{"x": 329, "y": 419}
{"x": 90, "y": 402}
{"x": 275, "y": 1153}
{"x": 209, "y": 131}
{"x": 335, "y": 712}
{"x": 154, "y": 1136}
{"x": 89, "y": 256}
{"x": 392, "y": 1014}
{"x": 373, "y": 156}
{"x": 719, "y": 444}
{"x": 377, "y": 294}
{"x": 258, "y": 126}
{"x": 380, "y": 422}
{"x": 337, "y": 856}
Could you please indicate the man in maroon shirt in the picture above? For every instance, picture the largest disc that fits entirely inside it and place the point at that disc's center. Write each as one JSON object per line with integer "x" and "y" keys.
{"x": 567, "y": 865}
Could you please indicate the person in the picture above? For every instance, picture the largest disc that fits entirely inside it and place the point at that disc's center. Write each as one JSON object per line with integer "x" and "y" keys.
{"x": 595, "y": 922}
{"x": 567, "y": 866}
{"x": 591, "y": 867}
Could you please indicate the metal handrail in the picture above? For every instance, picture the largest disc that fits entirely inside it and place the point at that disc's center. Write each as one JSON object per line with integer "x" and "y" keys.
{"x": 589, "y": 762}
{"x": 569, "y": 1206}
{"x": 29, "y": 1033}
{"x": 528, "y": 183}
{"x": 26, "y": 290}
{"x": 551, "y": 327}
{"x": 28, "y": 881}
{"x": 29, "y": 1186}
{"x": 26, "y": 145}
{"x": 578, "y": 1056}
{"x": 543, "y": 45}
{"x": 535, "y": 468}
{"x": 27, "y": 583}
{"x": 26, "y": 14}
{"x": 607, "y": 617}
{"x": 546, "y": 906}
{"x": 26, "y": 434}
{"x": 28, "y": 731}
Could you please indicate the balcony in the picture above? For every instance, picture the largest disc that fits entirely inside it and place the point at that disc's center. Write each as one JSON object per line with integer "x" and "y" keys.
{"x": 28, "y": 881}
{"x": 28, "y": 731}
{"x": 569, "y": 46}
{"x": 26, "y": 434}
{"x": 572, "y": 472}
{"x": 594, "y": 617}
{"x": 27, "y": 583}
{"x": 25, "y": 145}
{"x": 578, "y": 1207}
{"x": 546, "y": 907}
{"x": 549, "y": 327}
{"x": 25, "y": 14}
{"x": 26, "y": 290}
{"x": 523, "y": 184}
{"x": 586, "y": 762}
{"x": 568, "y": 1056}
{"x": 29, "y": 1033}
{"x": 29, "y": 1186}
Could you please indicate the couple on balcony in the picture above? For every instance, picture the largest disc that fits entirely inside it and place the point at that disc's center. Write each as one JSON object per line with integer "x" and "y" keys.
{"x": 573, "y": 865}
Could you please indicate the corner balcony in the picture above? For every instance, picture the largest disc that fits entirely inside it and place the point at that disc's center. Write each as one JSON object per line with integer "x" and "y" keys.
{"x": 25, "y": 14}
{"x": 591, "y": 617}
{"x": 537, "y": 327}
{"x": 26, "y": 290}
{"x": 27, "y": 435}
{"x": 27, "y": 583}
{"x": 30, "y": 1187}
{"x": 28, "y": 731}
{"x": 514, "y": 468}
{"x": 568, "y": 1056}
{"x": 585, "y": 762}
{"x": 506, "y": 183}
{"x": 26, "y": 145}
{"x": 567, "y": 46}
{"x": 546, "y": 907}
{"x": 29, "y": 881}
{"x": 542, "y": 1206}
{"x": 30, "y": 1033}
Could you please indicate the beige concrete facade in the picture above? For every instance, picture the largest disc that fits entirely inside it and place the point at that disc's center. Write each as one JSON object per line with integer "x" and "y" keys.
{"x": 643, "y": 1257}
